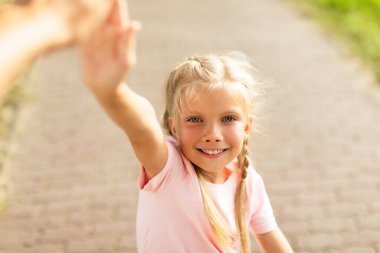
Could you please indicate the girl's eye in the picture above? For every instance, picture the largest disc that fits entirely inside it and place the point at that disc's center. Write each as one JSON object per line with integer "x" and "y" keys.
{"x": 228, "y": 119}
{"x": 194, "y": 119}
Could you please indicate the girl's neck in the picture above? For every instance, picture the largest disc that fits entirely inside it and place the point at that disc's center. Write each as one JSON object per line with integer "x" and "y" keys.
{"x": 214, "y": 178}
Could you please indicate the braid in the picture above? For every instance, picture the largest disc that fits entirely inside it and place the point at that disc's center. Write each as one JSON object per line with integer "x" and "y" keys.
{"x": 240, "y": 199}
{"x": 165, "y": 122}
{"x": 219, "y": 224}
{"x": 243, "y": 159}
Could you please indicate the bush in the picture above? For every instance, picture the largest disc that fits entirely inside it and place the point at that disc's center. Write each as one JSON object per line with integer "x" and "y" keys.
{"x": 358, "y": 22}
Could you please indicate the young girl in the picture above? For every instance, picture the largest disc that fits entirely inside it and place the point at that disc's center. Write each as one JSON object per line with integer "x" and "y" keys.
{"x": 198, "y": 190}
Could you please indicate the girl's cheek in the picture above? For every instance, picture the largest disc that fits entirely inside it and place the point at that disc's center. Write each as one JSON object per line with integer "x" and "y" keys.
{"x": 191, "y": 128}
{"x": 236, "y": 133}
{"x": 186, "y": 133}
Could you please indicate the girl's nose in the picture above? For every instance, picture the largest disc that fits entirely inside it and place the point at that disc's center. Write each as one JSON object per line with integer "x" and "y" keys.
{"x": 213, "y": 133}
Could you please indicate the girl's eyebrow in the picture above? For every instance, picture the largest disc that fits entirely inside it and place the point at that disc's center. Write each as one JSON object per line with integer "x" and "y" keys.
{"x": 189, "y": 111}
{"x": 232, "y": 112}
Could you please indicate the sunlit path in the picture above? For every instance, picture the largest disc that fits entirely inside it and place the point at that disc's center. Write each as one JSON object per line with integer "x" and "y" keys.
{"x": 75, "y": 177}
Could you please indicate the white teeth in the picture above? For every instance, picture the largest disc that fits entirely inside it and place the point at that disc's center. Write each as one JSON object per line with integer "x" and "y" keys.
{"x": 212, "y": 152}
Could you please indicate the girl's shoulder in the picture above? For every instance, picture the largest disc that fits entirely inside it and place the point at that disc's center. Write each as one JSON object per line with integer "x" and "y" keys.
{"x": 254, "y": 179}
{"x": 252, "y": 172}
{"x": 170, "y": 139}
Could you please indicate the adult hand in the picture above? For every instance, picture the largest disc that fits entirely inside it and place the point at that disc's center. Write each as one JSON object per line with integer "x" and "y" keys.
{"x": 75, "y": 19}
{"x": 39, "y": 26}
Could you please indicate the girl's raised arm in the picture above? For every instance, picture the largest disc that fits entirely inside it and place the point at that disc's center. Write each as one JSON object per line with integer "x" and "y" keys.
{"x": 106, "y": 59}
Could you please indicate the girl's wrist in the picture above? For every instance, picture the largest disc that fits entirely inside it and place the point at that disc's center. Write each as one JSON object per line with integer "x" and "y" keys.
{"x": 109, "y": 93}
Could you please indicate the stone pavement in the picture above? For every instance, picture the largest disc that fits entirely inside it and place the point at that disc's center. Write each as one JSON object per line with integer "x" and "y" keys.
{"x": 74, "y": 175}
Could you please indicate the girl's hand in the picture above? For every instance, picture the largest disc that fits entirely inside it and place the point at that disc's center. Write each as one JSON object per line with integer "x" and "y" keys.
{"x": 274, "y": 241}
{"x": 110, "y": 53}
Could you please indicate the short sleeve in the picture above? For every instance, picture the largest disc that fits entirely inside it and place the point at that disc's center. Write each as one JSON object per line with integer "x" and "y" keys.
{"x": 262, "y": 217}
{"x": 172, "y": 171}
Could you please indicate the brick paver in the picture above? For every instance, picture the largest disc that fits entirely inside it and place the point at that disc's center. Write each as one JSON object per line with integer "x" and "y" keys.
{"x": 74, "y": 175}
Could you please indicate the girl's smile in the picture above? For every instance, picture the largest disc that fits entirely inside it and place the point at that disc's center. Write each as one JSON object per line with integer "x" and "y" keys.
{"x": 211, "y": 129}
{"x": 212, "y": 153}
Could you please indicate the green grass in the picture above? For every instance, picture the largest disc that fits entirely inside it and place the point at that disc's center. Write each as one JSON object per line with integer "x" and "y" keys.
{"x": 7, "y": 112}
{"x": 356, "y": 21}
{"x": 8, "y": 117}
{"x": 4, "y": 2}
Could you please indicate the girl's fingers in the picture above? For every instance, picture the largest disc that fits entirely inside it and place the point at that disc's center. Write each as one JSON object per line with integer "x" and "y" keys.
{"x": 127, "y": 46}
{"x": 99, "y": 46}
{"x": 112, "y": 17}
{"x": 131, "y": 44}
{"x": 123, "y": 12}
{"x": 119, "y": 13}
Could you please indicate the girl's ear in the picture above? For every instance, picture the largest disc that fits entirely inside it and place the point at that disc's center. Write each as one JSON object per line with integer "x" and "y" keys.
{"x": 172, "y": 127}
{"x": 249, "y": 124}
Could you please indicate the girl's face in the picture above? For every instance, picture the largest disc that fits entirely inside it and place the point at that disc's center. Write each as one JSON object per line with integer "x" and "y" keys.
{"x": 211, "y": 131}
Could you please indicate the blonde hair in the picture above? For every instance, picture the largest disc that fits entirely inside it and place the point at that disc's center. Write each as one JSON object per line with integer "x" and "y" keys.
{"x": 209, "y": 72}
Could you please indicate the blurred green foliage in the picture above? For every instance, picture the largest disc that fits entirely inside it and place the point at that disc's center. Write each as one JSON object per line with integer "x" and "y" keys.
{"x": 7, "y": 117}
{"x": 3, "y": 2}
{"x": 357, "y": 21}
{"x": 8, "y": 108}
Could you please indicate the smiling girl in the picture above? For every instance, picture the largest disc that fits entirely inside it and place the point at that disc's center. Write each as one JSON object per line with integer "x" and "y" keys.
{"x": 198, "y": 189}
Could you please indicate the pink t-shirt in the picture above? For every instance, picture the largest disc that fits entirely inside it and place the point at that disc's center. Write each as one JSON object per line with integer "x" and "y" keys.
{"x": 171, "y": 217}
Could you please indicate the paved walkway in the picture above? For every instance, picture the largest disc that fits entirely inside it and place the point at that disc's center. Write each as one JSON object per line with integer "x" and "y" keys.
{"x": 74, "y": 174}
